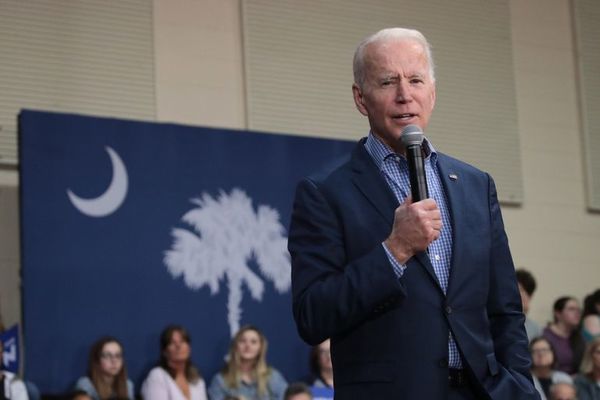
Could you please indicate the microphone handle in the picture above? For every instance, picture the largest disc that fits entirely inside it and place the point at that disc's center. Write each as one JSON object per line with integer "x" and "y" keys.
{"x": 416, "y": 171}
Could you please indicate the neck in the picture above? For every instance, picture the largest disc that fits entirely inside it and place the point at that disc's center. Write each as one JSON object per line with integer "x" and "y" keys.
{"x": 596, "y": 374}
{"x": 542, "y": 372}
{"x": 246, "y": 365}
{"x": 108, "y": 379}
{"x": 178, "y": 367}
{"x": 561, "y": 329}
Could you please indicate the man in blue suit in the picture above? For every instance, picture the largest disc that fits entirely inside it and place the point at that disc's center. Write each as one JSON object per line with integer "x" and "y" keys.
{"x": 419, "y": 298}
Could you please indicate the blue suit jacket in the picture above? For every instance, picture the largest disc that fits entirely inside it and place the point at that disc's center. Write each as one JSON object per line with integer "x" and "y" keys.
{"x": 389, "y": 335}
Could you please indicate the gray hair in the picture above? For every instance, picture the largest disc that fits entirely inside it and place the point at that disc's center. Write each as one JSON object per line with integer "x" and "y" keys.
{"x": 389, "y": 35}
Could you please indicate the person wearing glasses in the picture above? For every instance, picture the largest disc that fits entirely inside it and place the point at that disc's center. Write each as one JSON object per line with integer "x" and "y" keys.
{"x": 543, "y": 367}
{"x": 107, "y": 374}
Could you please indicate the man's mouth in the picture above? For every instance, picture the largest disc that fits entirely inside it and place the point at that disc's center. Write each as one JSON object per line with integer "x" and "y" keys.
{"x": 404, "y": 116}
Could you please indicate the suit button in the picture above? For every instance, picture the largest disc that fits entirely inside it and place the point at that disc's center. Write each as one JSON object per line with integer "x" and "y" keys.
{"x": 443, "y": 363}
{"x": 448, "y": 310}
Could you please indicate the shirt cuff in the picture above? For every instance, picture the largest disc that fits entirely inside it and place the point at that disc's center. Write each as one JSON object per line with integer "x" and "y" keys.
{"x": 396, "y": 266}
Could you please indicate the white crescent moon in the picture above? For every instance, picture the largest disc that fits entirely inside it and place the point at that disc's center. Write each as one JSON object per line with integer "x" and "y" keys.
{"x": 108, "y": 202}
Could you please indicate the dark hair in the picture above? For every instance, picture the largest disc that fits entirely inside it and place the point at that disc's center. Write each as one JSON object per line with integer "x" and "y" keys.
{"x": 191, "y": 372}
{"x": 119, "y": 386}
{"x": 560, "y": 304}
{"x": 590, "y": 304}
{"x": 526, "y": 280}
{"x": 315, "y": 367}
{"x": 543, "y": 339}
{"x": 575, "y": 339}
{"x": 296, "y": 388}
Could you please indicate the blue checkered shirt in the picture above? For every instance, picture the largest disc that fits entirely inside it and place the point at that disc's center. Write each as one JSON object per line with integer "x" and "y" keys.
{"x": 394, "y": 168}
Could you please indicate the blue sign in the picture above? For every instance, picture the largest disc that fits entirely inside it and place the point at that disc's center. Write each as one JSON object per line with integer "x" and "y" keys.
{"x": 11, "y": 353}
{"x": 129, "y": 226}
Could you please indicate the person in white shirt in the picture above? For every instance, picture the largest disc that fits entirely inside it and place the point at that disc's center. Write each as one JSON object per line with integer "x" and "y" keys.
{"x": 175, "y": 378}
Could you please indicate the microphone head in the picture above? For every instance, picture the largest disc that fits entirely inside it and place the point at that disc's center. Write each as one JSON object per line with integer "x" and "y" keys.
{"x": 411, "y": 135}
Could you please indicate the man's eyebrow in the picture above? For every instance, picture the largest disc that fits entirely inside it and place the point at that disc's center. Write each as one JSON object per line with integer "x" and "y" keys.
{"x": 389, "y": 75}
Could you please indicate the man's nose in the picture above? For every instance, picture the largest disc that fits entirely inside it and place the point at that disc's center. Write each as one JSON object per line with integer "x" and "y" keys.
{"x": 403, "y": 92}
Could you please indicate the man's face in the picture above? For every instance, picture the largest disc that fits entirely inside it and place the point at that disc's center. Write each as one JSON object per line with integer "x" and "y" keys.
{"x": 397, "y": 89}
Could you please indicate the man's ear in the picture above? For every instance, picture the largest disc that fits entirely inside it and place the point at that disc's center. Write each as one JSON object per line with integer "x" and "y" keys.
{"x": 359, "y": 99}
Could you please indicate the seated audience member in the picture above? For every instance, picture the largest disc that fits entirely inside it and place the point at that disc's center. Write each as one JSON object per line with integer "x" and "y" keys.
{"x": 587, "y": 381}
{"x": 107, "y": 374}
{"x": 527, "y": 287}
{"x": 11, "y": 387}
{"x": 591, "y": 316}
{"x": 564, "y": 335}
{"x": 320, "y": 365}
{"x": 246, "y": 373}
{"x": 175, "y": 377}
{"x": 542, "y": 367}
{"x": 562, "y": 391}
{"x": 298, "y": 391}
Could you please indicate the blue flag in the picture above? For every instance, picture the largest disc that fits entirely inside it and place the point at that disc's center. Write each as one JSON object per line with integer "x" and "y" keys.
{"x": 11, "y": 353}
{"x": 129, "y": 226}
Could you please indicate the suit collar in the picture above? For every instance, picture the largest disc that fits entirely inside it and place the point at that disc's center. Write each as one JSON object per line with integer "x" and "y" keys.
{"x": 453, "y": 186}
{"x": 371, "y": 183}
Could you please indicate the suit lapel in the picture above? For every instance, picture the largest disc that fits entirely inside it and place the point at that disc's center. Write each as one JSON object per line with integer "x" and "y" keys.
{"x": 454, "y": 190}
{"x": 371, "y": 183}
{"x": 375, "y": 188}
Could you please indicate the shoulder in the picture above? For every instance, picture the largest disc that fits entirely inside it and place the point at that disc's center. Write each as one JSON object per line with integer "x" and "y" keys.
{"x": 199, "y": 387}
{"x": 130, "y": 386}
{"x": 157, "y": 374}
{"x": 84, "y": 383}
{"x": 582, "y": 380}
{"x": 276, "y": 378}
{"x": 336, "y": 169}
{"x": 217, "y": 380}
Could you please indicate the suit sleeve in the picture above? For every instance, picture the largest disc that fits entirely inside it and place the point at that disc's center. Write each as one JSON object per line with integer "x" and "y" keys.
{"x": 506, "y": 317}
{"x": 332, "y": 294}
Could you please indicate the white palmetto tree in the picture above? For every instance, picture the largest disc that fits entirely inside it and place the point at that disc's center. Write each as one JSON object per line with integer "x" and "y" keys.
{"x": 227, "y": 233}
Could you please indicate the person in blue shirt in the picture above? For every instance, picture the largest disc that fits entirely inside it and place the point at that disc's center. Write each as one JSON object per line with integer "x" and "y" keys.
{"x": 107, "y": 373}
{"x": 246, "y": 373}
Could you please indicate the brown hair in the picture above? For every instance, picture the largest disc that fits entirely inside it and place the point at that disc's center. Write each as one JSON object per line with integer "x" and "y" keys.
{"x": 119, "y": 386}
{"x": 260, "y": 370}
{"x": 191, "y": 372}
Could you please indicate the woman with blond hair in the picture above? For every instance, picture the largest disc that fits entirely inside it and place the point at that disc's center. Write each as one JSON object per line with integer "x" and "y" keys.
{"x": 246, "y": 373}
{"x": 587, "y": 381}
{"x": 107, "y": 375}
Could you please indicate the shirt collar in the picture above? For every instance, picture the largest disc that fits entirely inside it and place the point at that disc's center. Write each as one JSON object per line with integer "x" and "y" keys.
{"x": 380, "y": 151}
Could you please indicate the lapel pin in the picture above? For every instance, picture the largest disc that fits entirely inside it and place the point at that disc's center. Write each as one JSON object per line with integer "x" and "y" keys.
{"x": 453, "y": 177}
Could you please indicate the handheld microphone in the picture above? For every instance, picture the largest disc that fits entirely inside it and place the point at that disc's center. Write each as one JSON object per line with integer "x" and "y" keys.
{"x": 412, "y": 137}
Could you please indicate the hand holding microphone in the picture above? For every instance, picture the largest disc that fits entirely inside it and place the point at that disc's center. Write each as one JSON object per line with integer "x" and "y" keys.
{"x": 418, "y": 221}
